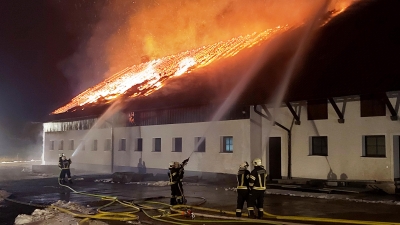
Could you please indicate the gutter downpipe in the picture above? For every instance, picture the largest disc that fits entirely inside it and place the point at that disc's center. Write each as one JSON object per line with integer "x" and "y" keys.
{"x": 289, "y": 131}
{"x": 112, "y": 147}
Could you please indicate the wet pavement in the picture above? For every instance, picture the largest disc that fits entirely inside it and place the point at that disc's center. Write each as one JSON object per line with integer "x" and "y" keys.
{"x": 44, "y": 191}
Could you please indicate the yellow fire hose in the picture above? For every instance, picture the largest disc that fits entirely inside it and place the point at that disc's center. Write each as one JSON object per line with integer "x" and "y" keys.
{"x": 176, "y": 211}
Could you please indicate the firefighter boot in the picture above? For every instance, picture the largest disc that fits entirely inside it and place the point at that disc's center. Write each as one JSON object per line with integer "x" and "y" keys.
{"x": 238, "y": 213}
{"x": 172, "y": 201}
{"x": 260, "y": 214}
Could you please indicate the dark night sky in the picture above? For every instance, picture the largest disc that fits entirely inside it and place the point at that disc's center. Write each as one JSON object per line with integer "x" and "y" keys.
{"x": 35, "y": 36}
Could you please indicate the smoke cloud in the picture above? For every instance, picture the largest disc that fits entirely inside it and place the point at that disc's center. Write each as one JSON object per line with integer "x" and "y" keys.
{"x": 127, "y": 32}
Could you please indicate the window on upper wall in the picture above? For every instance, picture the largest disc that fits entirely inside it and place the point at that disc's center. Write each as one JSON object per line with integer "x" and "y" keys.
{"x": 139, "y": 146}
{"x": 177, "y": 144}
{"x": 200, "y": 144}
{"x": 94, "y": 145}
{"x": 227, "y": 144}
{"x": 374, "y": 146}
{"x": 372, "y": 105}
{"x": 122, "y": 144}
{"x": 107, "y": 146}
{"x": 156, "y": 144}
{"x": 317, "y": 109}
{"x": 51, "y": 145}
{"x": 71, "y": 145}
{"x": 319, "y": 145}
{"x": 61, "y": 146}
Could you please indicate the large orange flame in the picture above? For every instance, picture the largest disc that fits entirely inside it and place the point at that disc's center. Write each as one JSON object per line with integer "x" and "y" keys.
{"x": 151, "y": 75}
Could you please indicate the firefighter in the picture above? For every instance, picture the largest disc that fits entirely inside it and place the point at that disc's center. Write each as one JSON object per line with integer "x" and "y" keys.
{"x": 64, "y": 165}
{"x": 242, "y": 187}
{"x": 257, "y": 182}
{"x": 175, "y": 175}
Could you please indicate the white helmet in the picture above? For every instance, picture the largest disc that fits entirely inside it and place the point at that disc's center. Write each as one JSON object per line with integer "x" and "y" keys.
{"x": 171, "y": 164}
{"x": 257, "y": 162}
{"x": 244, "y": 165}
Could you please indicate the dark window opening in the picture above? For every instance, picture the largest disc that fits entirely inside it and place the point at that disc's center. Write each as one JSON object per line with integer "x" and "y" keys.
{"x": 177, "y": 145}
{"x": 139, "y": 144}
{"x": 375, "y": 146}
{"x": 157, "y": 145}
{"x": 200, "y": 144}
{"x": 317, "y": 109}
{"x": 122, "y": 144}
{"x": 319, "y": 146}
{"x": 372, "y": 105}
{"x": 227, "y": 144}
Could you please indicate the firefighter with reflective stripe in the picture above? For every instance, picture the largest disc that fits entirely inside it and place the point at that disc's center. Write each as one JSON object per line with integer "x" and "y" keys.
{"x": 257, "y": 183}
{"x": 175, "y": 175}
{"x": 64, "y": 165}
{"x": 242, "y": 187}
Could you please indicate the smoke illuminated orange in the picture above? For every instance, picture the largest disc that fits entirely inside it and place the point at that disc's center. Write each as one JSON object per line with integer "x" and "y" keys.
{"x": 151, "y": 75}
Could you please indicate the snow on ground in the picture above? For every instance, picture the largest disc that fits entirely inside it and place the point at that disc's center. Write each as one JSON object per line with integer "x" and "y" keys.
{"x": 50, "y": 216}
{"x": 3, "y": 195}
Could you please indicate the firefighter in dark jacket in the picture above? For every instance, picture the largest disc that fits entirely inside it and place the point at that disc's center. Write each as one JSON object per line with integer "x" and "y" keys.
{"x": 175, "y": 174}
{"x": 242, "y": 187}
{"x": 64, "y": 165}
{"x": 257, "y": 183}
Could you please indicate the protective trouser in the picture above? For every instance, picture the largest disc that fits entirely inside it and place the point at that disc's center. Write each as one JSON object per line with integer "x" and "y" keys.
{"x": 242, "y": 196}
{"x": 256, "y": 198}
{"x": 62, "y": 175}
{"x": 176, "y": 193}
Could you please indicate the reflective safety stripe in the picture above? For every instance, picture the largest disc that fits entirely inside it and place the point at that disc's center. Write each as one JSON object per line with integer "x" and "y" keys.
{"x": 178, "y": 197}
{"x": 259, "y": 188}
{"x": 173, "y": 174}
{"x": 260, "y": 209}
{"x": 250, "y": 208}
{"x": 251, "y": 184}
{"x": 238, "y": 210}
{"x": 241, "y": 187}
{"x": 262, "y": 185}
{"x": 252, "y": 177}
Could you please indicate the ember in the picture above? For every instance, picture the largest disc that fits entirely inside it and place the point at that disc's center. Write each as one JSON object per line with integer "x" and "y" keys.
{"x": 145, "y": 78}
{"x": 151, "y": 75}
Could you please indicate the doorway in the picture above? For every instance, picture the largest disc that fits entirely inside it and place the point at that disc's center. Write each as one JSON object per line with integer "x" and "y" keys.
{"x": 275, "y": 158}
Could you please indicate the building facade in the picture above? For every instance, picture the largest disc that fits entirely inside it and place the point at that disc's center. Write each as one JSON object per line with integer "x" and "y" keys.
{"x": 353, "y": 137}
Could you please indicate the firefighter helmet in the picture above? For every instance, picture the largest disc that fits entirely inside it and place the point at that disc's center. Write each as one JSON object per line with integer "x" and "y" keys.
{"x": 257, "y": 162}
{"x": 244, "y": 165}
{"x": 171, "y": 164}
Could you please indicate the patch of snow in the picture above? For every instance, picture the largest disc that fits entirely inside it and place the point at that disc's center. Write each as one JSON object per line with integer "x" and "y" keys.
{"x": 3, "y": 195}
{"x": 104, "y": 180}
{"x": 51, "y": 216}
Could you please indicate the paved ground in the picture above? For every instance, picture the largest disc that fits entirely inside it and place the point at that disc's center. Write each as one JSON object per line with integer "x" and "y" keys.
{"x": 45, "y": 190}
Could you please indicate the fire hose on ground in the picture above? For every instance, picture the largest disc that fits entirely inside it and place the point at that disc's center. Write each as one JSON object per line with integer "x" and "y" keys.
{"x": 169, "y": 214}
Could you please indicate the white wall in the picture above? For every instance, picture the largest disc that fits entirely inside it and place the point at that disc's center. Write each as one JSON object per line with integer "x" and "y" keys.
{"x": 213, "y": 160}
{"x": 345, "y": 145}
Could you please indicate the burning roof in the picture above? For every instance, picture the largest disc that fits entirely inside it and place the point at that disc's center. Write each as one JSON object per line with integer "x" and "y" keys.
{"x": 327, "y": 56}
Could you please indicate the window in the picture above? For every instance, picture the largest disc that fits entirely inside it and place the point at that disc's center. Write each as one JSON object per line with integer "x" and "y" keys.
{"x": 371, "y": 105}
{"x": 375, "y": 146}
{"x": 94, "y": 145}
{"x": 227, "y": 144}
{"x": 61, "y": 146}
{"x": 108, "y": 145}
{"x": 83, "y": 145}
{"x": 319, "y": 145}
{"x": 177, "y": 144}
{"x": 71, "y": 145}
{"x": 156, "y": 144}
{"x": 139, "y": 144}
{"x": 317, "y": 109}
{"x": 200, "y": 144}
{"x": 51, "y": 145}
{"x": 122, "y": 144}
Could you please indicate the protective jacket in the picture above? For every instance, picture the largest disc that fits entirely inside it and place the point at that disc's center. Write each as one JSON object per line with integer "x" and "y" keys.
{"x": 173, "y": 175}
{"x": 258, "y": 178}
{"x": 64, "y": 164}
{"x": 243, "y": 176}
